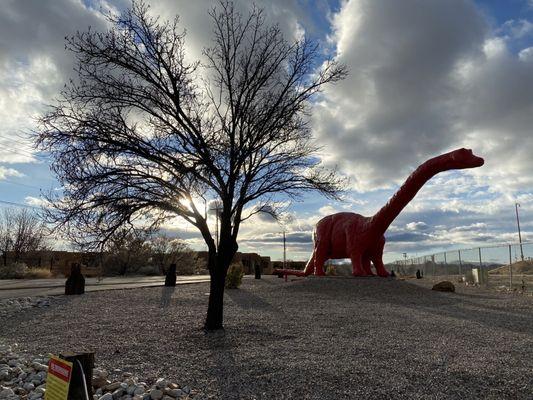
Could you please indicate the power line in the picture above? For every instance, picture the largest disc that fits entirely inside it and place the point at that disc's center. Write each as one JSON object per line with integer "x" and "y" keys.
{"x": 12, "y": 203}
{"x": 19, "y": 184}
{"x": 21, "y": 152}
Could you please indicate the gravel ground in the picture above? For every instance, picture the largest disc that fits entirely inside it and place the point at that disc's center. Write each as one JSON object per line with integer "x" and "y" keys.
{"x": 314, "y": 338}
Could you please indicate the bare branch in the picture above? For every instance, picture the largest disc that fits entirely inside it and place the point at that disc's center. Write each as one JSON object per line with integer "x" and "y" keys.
{"x": 142, "y": 133}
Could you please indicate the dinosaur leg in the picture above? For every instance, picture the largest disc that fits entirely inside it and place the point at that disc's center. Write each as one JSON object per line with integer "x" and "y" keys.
{"x": 322, "y": 245}
{"x": 377, "y": 260}
{"x": 366, "y": 266}
{"x": 320, "y": 259}
{"x": 357, "y": 265}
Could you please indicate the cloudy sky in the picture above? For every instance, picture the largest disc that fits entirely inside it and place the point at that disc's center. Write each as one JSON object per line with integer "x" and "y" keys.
{"x": 426, "y": 77}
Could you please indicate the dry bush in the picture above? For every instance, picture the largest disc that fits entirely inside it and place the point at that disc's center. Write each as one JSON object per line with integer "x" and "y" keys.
{"x": 13, "y": 271}
{"x": 21, "y": 271}
{"x": 234, "y": 276}
{"x": 331, "y": 270}
{"x": 38, "y": 273}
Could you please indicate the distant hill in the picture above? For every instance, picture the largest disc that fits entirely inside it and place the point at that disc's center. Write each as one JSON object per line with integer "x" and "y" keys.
{"x": 520, "y": 267}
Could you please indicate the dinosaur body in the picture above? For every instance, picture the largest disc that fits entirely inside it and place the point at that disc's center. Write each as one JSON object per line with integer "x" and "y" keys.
{"x": 360, "y": 238}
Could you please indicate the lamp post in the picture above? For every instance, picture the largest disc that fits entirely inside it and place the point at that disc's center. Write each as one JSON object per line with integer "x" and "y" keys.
{"x": 516, "y": 205}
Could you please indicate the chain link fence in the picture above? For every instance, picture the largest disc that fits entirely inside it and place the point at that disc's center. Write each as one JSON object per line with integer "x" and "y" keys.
{"x": 504, "y": 267}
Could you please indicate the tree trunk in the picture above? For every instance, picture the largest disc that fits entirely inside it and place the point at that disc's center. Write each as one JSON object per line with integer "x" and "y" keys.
{"x": 218, "y": 263}
{"x": 215, "y": 309}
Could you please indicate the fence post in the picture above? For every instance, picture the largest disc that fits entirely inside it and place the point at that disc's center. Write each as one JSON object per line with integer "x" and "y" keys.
{"x": 481, "y": 276}
{"x": 460, "y": 263}
{"x": 510, "y": 269}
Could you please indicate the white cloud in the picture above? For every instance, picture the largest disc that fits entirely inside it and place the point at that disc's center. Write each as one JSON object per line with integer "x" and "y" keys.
{"x": 7, "y": 172}
{"x": 421, "y": 83}
{"x": 327, "y": 210}
{"x": 36, "y": 201}
{"x": 34, "y": 65}
{"x": 417, "y": 226}
{"x": 515, "y": 29}
{"x": 526, "y": 54}
{"x": 397, "y": 106}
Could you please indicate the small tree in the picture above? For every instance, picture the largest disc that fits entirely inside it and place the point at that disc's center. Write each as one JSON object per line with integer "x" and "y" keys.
{"x": 143, "y": 136}
{"x": 127, "y": 251}
{"x": 165, "y": 251}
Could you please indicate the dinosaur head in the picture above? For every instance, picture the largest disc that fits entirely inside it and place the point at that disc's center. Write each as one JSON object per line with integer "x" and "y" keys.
{"x": 464, "y": 158}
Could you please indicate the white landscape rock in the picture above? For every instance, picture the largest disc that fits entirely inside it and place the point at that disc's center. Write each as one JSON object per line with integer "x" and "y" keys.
{"x": 6, "y": 392}
{"x": 24, "y": 378}
{"x": 175, "y": 393}
{"x": 156, "y": 394}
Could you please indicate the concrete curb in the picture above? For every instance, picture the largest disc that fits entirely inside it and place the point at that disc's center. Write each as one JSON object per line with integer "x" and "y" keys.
{"x": 140, "y": 284}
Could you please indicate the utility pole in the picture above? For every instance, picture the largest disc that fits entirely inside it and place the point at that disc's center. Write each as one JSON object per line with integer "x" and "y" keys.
{"x": 216, "y": 208}
{"x": 284, "y": 251}
{"x": 205, "y": 217}
{"x": 516, "y": 205}
{"x": 216, "y": 229}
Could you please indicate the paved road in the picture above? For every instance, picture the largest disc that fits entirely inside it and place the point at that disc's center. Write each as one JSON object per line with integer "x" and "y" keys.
{"x": 11, "y": 288}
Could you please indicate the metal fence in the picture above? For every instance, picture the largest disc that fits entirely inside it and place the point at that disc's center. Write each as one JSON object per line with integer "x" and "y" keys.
{"x": 504, "y": 267}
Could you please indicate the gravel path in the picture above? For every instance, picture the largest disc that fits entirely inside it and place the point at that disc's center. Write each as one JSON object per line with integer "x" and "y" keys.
{"x": 313, "y": 338}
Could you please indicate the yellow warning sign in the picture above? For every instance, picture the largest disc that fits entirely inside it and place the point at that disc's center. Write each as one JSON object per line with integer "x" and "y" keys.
{"x": 58, "y": 379}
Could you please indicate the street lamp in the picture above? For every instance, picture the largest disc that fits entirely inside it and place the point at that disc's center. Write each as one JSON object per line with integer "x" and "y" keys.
{"x": 516, "y": 205}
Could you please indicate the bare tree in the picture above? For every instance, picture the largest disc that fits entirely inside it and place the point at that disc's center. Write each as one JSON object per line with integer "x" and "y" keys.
{"x": 6, "y": 232}
{"x": 167, "y": 250}
{"x": 126, "y": 251}
{"x": 21, "y": 232}
{"x": 144, "y": 136}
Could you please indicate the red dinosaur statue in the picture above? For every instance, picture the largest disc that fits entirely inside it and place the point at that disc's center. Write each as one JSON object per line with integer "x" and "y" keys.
{"x": 360, "y": 238}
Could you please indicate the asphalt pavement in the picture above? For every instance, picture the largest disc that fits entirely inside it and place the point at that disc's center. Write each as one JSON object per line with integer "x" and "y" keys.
{"x": 13, "y": 288}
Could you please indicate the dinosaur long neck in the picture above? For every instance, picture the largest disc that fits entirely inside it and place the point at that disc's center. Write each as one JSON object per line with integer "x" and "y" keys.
{"x": 388, "y": 213}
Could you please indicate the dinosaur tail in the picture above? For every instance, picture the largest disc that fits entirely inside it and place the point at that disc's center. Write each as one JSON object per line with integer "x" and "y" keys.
{"x": 309, "y": 267}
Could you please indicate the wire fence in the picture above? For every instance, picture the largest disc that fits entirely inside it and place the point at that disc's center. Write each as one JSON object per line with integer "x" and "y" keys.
{"x": 504, "y": 267}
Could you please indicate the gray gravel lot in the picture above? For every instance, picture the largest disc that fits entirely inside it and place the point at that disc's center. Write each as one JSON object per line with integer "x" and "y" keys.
{"x": 314, "y": 338}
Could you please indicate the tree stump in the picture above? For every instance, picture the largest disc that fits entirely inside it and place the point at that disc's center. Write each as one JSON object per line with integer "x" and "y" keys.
{"x": 418, "y": 274}
{"x": 170, "y": 278}
{"x": 75, "y": 283}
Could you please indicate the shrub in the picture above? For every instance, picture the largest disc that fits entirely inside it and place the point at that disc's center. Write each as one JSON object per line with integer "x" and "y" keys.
{"x": 149, "y": 270}
{"x": 234, "y": 276}
{"x": 20, "y": 270}
{"x": 13, "y": 271}
{"x": 330, "y": 270}
{"x": 37, "y": 273}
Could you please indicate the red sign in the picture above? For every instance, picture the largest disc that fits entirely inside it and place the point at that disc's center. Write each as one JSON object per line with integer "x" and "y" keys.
{"x": 60, "y": 369}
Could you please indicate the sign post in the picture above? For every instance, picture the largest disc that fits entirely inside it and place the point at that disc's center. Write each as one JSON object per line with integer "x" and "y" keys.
{"x": 58, "y": 379}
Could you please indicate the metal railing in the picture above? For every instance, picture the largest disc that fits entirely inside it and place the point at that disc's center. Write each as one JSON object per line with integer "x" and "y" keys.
{"x": 504, "y": 267}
